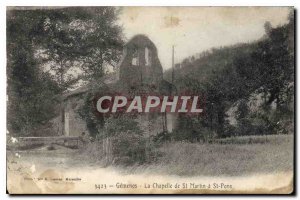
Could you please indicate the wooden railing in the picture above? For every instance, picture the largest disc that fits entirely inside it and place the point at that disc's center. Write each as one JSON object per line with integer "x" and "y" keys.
{"x": 68, "y": 141}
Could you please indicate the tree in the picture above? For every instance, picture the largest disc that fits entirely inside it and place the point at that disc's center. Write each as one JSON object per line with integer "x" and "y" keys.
{"x": 86, "y": 40}
{"x": 102, "y": 42}
{"x": 274, "y": 62}
{"x": 49, "y": 48}
{"x": 29, "y": 90}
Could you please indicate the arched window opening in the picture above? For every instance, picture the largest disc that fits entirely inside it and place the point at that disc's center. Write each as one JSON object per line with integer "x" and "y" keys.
{"x": 135, "y": 57}
{"x": 147, "y": 56}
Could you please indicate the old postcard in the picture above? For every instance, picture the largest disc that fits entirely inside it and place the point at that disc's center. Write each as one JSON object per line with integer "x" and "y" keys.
{"x": 150, "y": 100}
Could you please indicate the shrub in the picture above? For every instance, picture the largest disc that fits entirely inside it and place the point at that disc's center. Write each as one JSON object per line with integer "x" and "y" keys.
{"x": 128, "y": 148}
{"x": 127, "y": 143}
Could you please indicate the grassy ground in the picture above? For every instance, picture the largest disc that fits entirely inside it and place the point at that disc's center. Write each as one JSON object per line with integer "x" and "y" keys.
{"x": 238, "y": 156}
{"x": 227, "y": 157}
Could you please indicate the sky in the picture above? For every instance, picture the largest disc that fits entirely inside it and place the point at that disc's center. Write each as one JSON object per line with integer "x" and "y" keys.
{"x": 196, "y": 29}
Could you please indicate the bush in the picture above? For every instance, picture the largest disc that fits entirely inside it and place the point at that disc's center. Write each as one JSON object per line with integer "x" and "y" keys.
{"x": 162, "y": 137}
{"x": 126, "y": 143}
{"x": 128, "y": 149}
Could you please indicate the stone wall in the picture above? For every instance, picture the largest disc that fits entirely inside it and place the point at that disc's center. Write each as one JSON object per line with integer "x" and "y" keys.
{"x": 76, "y": 126}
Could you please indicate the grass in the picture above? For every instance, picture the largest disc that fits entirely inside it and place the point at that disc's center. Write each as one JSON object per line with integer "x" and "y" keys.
{"x": 259, "y": 139}
{"x": 250, "y": 156}
{"x": 237, "y": 156}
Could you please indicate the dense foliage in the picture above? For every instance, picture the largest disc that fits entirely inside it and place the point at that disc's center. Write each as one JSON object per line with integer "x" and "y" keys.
{"x": 232, "y": 76}
{"x": 49, "y": 52}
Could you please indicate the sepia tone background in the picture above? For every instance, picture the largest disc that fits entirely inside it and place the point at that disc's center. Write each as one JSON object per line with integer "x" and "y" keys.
{"x": 60, "y": 59}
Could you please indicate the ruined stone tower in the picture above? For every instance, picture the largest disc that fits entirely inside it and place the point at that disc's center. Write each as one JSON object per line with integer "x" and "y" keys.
{"x": 140, "y": 63}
